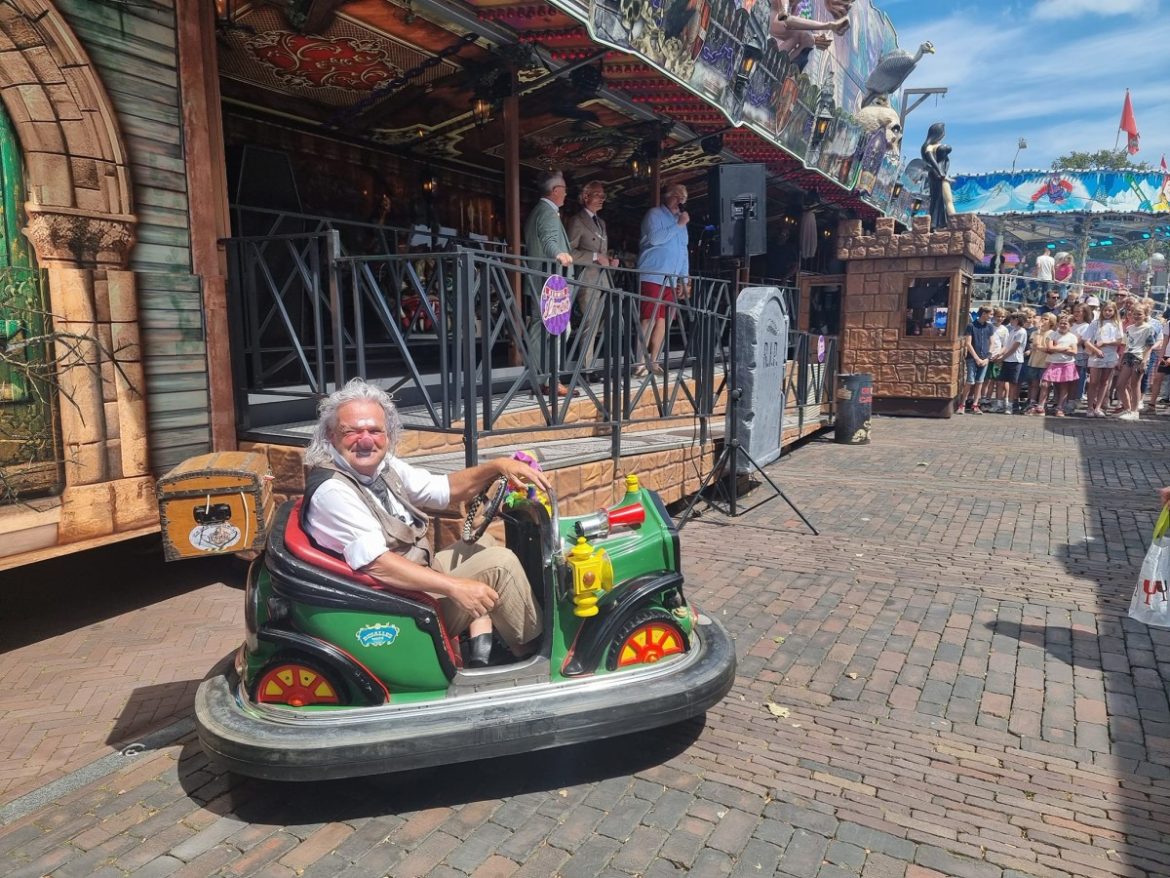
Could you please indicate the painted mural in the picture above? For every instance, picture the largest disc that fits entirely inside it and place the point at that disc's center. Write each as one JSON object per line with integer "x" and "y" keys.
{"x": 1104, "y": 191}
{"x": 795, "y": 71}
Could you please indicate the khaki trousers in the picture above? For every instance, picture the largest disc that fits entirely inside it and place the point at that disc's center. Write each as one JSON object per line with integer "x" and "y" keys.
{"x": 515, "y": 617}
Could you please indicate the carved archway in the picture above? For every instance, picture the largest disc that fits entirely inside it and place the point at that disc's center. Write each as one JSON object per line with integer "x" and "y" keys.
{"x": 81, "y": 224}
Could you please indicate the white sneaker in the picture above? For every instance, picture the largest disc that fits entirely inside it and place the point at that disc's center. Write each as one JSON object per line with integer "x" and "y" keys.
{"x": 1128, "y": 416}
{"x": 1141, "y": 405}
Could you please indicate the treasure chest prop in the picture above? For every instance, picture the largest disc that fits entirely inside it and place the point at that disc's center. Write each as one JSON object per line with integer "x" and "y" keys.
{"x": 215, "y": 504}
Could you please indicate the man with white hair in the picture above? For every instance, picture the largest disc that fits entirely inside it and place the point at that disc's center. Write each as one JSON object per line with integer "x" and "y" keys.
{"x": 367, "y": 506}
{"x": 590, "y": 242}
{"x": 545, "y": 238}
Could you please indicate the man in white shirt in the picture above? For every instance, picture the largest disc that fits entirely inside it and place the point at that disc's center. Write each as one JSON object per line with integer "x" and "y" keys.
{"x": 1045, "y": 270}
{"x": 366, "y": 506}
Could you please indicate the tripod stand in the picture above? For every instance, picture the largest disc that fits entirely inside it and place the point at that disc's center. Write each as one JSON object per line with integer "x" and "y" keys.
{"x": 733, "y": 451}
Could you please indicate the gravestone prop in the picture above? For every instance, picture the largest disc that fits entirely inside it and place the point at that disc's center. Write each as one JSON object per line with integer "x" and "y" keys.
{"x": 761, "y": 351}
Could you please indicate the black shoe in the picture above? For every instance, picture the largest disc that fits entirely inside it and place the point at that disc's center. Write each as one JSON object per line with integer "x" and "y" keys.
{"x": 479, "y": 651}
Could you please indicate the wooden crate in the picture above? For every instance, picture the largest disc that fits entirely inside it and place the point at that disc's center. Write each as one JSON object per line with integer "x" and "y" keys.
{"x": 215, "y": 504}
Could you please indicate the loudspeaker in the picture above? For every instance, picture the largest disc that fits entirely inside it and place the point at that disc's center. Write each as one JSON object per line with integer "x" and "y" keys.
{"x": 738, "y": 196}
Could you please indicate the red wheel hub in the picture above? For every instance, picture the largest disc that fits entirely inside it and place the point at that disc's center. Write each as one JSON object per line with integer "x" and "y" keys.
{"x": 295, "y": 685}
{"x": 648, "y": 643}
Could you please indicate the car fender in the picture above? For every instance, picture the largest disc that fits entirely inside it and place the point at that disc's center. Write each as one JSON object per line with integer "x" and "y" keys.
{"x": 347, "y": 668}
{"x": 597, "y": 632}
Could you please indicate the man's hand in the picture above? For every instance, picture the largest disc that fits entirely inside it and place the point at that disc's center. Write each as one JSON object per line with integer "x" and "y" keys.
{"x": 1164, "y": 493}
{"x": 683, "y": 217}
{"x": 474, "y": 597}
{"x": 564, "y": 259}
{"x": 520, "y": 473}
{"x": 822, "y": 42}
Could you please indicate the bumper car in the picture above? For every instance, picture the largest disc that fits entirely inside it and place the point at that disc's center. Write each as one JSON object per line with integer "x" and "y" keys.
{"x": 340, "y": 675}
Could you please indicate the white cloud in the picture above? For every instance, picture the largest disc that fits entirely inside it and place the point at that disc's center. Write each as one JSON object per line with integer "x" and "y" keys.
{"x": 1063, "y": 92}
{"x": 1063, "y": 10}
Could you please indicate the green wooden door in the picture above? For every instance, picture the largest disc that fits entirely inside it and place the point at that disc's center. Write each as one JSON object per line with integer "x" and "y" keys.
{"x": 29, "y": 458}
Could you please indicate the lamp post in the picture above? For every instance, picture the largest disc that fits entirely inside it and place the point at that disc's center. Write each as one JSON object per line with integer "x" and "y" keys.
{"x": 1023, "y": 144}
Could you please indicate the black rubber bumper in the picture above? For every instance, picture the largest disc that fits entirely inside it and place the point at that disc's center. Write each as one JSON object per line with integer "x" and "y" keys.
{"x": 381, "y": 740}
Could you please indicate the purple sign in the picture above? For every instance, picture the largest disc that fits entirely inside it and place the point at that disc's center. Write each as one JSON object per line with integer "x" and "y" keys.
{"x": 820, "y": 349}
{"x": 556, "y": 306}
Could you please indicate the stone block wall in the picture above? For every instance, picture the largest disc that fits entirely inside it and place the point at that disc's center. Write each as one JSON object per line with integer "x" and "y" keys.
{"x": 912, "y": 374}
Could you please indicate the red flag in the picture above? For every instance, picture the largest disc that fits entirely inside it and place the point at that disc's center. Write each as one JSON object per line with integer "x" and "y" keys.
{"x": 1129, "y": 125}
{"x": 1164, "y": 168}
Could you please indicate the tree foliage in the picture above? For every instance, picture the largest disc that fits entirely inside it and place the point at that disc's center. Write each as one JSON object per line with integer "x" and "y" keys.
{"x": 1131, "y": 256}
{"x": 1114, "y": 159}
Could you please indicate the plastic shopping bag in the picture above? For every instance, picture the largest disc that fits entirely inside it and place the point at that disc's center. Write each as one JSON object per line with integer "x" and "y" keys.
{"x": 1151, "y": 603}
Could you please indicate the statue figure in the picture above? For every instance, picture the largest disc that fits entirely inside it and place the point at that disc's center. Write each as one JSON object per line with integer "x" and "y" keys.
{"x": 880, "y": 115}
{"x": 891, "y": 71}
{"x": 936, "y": 155}
{"x": 796, "y": 36}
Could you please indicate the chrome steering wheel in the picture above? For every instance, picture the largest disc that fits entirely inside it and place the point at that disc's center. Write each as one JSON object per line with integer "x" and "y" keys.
{"x": 487, "y": 505}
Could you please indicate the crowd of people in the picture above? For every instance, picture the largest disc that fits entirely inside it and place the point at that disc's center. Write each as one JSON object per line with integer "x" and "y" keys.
{"x": 1109, "y": 355}
{"x": 580, "y": 249}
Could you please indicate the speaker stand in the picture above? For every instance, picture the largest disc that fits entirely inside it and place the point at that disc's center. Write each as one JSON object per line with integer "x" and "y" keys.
{"x": 729, "y": 458}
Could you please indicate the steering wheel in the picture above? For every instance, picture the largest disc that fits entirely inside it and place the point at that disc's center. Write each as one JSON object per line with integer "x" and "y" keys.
{"x": 487, "y": 505}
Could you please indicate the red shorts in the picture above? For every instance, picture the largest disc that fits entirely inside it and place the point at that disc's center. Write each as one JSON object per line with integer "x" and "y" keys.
{"x": 654, "y": 306}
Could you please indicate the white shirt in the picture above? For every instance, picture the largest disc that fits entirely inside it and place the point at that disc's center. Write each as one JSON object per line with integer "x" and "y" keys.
{"x": 1055, "y": 338}
{"x": 1100, "y": 334}
{"x": 340, "y": 522}
{"x": 1045, "y": 265}
{"x": 1020, "y": 336}
{"x": 998, "y": 340}
{"x": 1081, "y": 331}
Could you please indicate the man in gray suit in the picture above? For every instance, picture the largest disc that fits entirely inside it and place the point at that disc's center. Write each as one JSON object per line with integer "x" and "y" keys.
{"x": 590, "y": 252}
{"x": 545, "y": 238}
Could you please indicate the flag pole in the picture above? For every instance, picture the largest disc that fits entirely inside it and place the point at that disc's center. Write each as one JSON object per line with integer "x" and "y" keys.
{"x": 1117, "y": 139}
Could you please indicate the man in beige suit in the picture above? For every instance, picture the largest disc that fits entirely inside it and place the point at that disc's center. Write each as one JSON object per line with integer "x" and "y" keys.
{"x": 590, "y": 251}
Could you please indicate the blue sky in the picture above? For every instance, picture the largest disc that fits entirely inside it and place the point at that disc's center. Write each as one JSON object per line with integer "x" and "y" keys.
{"x": 1051, "y": 71}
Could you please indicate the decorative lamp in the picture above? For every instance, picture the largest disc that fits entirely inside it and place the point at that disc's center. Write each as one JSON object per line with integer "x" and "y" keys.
{"x": 481, "y": 112}
{"x": 429, "y": 185}
{"x": 896, "y": 192}
{"x": 916, "y": 205}
{"x": 747, "y": 63}
{"x": 826, "y": 109}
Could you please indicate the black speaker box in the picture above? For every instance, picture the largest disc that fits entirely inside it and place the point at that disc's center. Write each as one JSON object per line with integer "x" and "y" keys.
{"x": 738, "y": 201}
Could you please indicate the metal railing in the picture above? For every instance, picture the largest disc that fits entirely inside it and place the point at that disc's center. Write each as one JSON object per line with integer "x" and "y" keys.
{"x": 1016, "y": 290}
{"x": 357, "y": 237}
{"x": 457, "y": 338}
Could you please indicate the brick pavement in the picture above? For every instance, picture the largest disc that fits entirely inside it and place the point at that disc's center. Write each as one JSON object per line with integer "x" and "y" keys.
{"x": 965, "y": 697}
{"x": 99, "y": 649}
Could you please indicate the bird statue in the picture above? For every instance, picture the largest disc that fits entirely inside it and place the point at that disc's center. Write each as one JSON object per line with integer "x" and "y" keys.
{"x": 891, "y": 71}
{"x": 879, "y": 114}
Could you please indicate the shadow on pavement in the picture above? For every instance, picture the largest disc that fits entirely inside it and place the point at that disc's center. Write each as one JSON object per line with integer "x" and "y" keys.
{"x": 271, "y": 802}
{"x": 63, "y": 594}
{"x": 1122, "y": 465}
{"x": 148, "y": 707}
{"x": 1060, "y": 643}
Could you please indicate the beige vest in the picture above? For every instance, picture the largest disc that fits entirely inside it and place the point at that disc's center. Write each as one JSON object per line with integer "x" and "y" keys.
{"x": 413, "y": 542}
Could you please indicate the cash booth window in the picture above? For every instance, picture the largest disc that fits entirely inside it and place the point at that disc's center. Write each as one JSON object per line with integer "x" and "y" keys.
{"x": 927, "y": 307}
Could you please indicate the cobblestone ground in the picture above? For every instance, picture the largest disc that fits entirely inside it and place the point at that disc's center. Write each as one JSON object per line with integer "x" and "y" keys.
{"x": 964, "y": 697}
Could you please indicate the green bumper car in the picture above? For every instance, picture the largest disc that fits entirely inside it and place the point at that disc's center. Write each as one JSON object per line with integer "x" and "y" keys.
{"x": 341, "y": 676}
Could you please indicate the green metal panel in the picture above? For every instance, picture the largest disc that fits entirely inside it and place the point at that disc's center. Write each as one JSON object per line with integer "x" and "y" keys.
{"x": 29, "y": 447}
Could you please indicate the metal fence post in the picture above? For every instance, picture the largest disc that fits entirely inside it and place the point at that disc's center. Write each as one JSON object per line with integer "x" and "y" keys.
{"x": 466, "y": 341}
{"x": 337, "y": 318}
